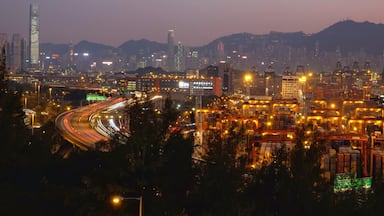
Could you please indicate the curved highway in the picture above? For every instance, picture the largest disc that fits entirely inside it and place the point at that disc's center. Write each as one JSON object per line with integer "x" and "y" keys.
{"x": 75, "y": 125}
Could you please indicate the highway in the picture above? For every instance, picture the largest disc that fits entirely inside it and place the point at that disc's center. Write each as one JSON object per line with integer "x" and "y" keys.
{"x": 78, "y": 126}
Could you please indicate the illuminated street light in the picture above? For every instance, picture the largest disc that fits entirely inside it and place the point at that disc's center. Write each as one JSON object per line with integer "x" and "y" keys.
{"x": 32, "y": 122}
{"x": 248, "y": 78}
{"x": 50, "y": 93}
{"x": 303, "y": 79}
{"x": 38, "y": 94}
{"x": 116, "y": 201}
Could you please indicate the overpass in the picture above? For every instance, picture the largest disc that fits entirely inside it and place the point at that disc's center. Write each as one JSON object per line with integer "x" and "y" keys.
{"x": 75, "y": 125}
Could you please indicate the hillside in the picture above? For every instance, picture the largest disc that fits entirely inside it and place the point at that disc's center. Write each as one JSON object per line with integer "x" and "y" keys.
{"x": 347, "y": 36}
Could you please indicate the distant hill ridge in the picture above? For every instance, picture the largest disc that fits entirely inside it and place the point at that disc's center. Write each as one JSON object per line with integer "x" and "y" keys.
{"x": 347, "y": 36}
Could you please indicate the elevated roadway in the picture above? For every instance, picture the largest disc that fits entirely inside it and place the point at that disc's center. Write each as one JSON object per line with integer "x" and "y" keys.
{"x": 75, "y": 125}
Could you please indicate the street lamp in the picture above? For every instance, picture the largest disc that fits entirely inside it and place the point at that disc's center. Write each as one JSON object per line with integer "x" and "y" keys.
{"x": 247, "y": 82}
{"x": 50, "y": 93}
{"x": 116, "y": 201}
{"x": 38, "y": 94}
{"x": 25, "y": 102}
{"x": 303, "y": 81}
{"x": 32, "y": 122}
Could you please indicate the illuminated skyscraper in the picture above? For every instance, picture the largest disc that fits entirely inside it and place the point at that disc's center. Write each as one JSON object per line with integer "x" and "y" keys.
{"x": 226, "y": 75}
{"x": 3, "y": 39}
{"x": 71, "y": 52}
{"x": 34, "y": 36}
{"x": 180, "y": 58}
{"x": 192, "y": 60}
{"x": 16, "y": 53}
{"x": 171, "y": 50}
{"x": 24, "y": 54}
{"x": 220, "y": 51}
{"x": 4, "y": 43}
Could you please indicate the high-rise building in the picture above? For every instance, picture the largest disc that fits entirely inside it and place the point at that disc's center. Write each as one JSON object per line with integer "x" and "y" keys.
{"x": 3, "y": 39}
{"x": 16, "y": 53}
{"x": 4, "y": 43}
{"x": 180, "y": 58}
{"x": 24, "y": 54}
{"x": 34, "y": 52}
{"x": 270, "y": 80}
{"x": 220, "y": 51}
{"x": 226, "y": 75}
{"x": 192, "y": 60}
{"x": 171, "y": 50}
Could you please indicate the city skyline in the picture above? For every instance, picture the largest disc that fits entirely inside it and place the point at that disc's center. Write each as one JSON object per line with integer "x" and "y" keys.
{"x": 195, "y": 22}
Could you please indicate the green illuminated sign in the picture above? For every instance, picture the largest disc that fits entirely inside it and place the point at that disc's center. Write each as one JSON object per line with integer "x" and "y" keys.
{"x": 345, "y": 182}
{"x": 95, "y": 97}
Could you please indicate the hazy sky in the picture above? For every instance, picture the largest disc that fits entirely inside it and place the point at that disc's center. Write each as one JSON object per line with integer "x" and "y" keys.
{"x": 196, "y": 22}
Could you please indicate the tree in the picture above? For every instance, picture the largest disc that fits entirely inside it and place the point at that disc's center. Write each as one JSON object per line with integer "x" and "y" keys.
{"x": 291, "y": 184}
{"x": 144, "y": 150}
{"x": 310, "y": 187}
{"x": 168, "y": 115}
{"x": 176, "y": 173}
{"x": 219, "y": 178}
{"x": 269, "y": 189}
{"x": 145, "y": 137}
{"x": 19, "y": 177}
{"x": 13, "y": 131}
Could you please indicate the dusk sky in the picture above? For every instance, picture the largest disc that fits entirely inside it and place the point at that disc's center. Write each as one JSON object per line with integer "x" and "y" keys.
{"x": 196, "y": 22}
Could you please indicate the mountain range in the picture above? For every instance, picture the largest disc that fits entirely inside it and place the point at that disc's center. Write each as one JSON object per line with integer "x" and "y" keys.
{"x": 346, "y": 36}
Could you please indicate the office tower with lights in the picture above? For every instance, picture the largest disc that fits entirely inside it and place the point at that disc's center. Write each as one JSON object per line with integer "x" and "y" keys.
{"x": 220, "y": 51}
{"x": 3, "y": 40}
{"x": 226, "y": 75}
{"x": 16, "y": 53}
{"x": 4, "y": 44}
{"x": 180, "y": 58}
{"x": 24, "y": 54}
{"x": 271, "y": 82}
{"x": 34, "y": 52}
{"x": 192, "y": 60}
{"x": 171, "y": 50}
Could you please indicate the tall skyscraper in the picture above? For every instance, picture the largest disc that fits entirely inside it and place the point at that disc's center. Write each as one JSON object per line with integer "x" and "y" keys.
{"x": 180, "y": 58}
{"x": 226, "y": 75}
{"x": 192, "y": 60}
{"x": 4, "y": 43}
{"x": 270, "y": 80}
{"x": 24, "y": 54}
{"x": 171, "y": 50}
{"x": 220, "y": 51}
{"x": 16, "y": 53}
{"x": 34, "y": 52}
{"x": 3, "y": 39}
